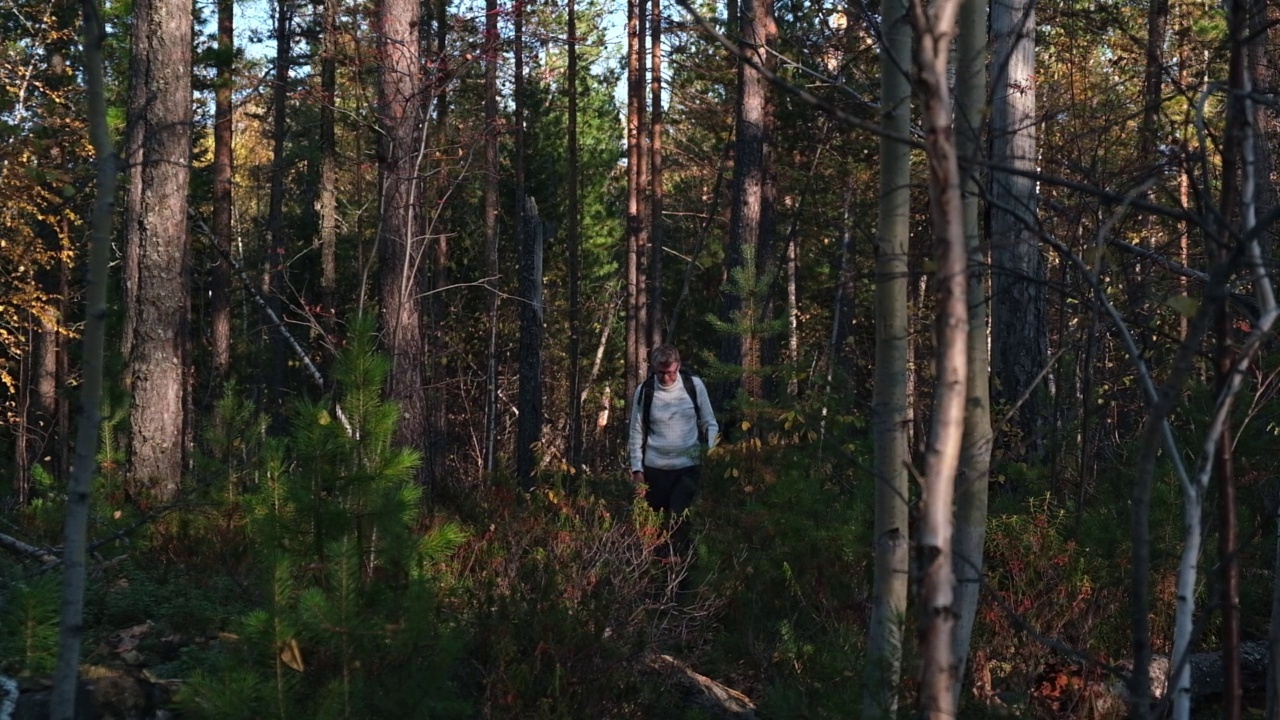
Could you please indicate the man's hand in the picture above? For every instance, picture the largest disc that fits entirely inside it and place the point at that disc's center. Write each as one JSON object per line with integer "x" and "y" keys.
{"x": 637, "y": 477}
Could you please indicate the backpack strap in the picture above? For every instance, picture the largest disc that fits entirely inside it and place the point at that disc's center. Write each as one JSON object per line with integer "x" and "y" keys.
{"x": 646, "y": 407}
{"x": 692, "y": 390}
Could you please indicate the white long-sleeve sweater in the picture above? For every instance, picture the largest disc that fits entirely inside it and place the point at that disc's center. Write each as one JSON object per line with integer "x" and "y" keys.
{"x": 673, "y": 427}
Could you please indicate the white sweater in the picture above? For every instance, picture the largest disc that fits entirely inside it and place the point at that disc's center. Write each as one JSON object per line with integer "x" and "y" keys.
{"x": 673, "y": 427}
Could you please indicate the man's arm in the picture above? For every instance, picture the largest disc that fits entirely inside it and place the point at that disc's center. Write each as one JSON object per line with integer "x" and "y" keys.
{"x": 635, "y": 436}
{"x": 709, "y": 424}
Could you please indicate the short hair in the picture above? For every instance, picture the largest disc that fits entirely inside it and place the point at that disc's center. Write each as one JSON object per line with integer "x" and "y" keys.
{"x": 663, "y": 355}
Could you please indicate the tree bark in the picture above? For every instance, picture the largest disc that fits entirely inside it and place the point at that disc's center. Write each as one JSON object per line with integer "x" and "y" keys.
{"x": 975, "y": 453}
{"x": 749, "y": 211}
{"x": 491, "y": 227}
{"x": 1019, "y": 307}
{"x": 223, "y": 137}
{"x": 573, "y": 238}
{"x": 657, "y": 324}
{"x": 274, "y": 284}
{"x": 400, "y": 251}
{"x": 889, "y": 404}
{"x": 529, "y": 432}
{"x": 71, "y": 612}
{"x": 162, "y": 298}
{"x": 934, "y": 30}
{"x": 327, "y": 192}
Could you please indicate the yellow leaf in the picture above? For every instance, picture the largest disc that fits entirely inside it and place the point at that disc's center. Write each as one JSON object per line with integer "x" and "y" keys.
{"x": 745, "y": 426}
{"x": 291, "y": 655}
{"x": 323, "y": 417}
{"x": 1184, "y": 305}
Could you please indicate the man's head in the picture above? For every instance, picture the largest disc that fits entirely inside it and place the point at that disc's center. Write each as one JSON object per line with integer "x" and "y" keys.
{"x": 664, "y": 362}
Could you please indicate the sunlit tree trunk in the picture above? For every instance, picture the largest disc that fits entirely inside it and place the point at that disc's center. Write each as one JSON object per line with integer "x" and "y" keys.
{"x": 223, "y": 135}
{"x": 889, "y": 417}
{"x": 327, "y": 192}
{"x": 1019, "y": 306}
{"x": 75, "y": 533}
{"x": 399, "y": 250}
{"x": 162, "y": 298}
{"x": 934, "y": 30}
{"x": 634, "y": 340}
{"x": 657, "y": 324}
{"x": 749, "y": 212}
{"x": 975, "y": 453}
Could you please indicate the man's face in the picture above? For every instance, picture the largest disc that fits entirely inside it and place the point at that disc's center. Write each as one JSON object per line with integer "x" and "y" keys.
{"x": 668, "y": 373}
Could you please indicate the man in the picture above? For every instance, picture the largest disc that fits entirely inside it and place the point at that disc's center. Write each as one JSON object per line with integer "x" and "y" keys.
{"x": 671, "y": 417}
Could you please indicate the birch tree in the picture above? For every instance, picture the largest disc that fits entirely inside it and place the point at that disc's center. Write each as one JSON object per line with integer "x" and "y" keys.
{"x": 889, "y": 400}
{"x": 975, "y": 454}
{"x": 934, "y": 29}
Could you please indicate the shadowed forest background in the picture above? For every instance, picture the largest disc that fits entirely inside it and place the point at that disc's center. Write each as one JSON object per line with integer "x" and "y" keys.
{"x": 981, "y": 292}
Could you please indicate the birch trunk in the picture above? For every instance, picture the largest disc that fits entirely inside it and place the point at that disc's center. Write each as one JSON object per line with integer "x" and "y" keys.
{"x": 71, "y": 617}
{"x": 975, "y": 454}
{"x": 889, "y": 400}
{"x": 934, "y": 30}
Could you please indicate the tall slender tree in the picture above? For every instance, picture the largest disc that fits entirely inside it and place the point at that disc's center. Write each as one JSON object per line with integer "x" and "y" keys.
{"x": 276, "y": 245}
{"x": 657, "y": 328}
{"x": 972, "y": 482}
{"x": 573, "y": 239}
{"x": 1019, "y": 314}
{"x": 491, "y": 169}
{"x": 223, "y": 138}
{"x": 399, "y": 249}
{"x": 749, "y": 211}
{"x": 327, "y": 190}
{"x": 161, "y": 297}
{"x": 889, "y": 407}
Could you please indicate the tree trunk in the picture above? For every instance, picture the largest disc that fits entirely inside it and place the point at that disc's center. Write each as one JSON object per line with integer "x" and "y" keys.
{"x": 223, "y": 136}
{"x": 934, "y": 30}
{"x": 1019, "y": 307}
{"x": 749, "y": 211}
{"x": 438, "y": 237}
{"x": 975, "y": 453}
{"x": 71, "y": 612}
{"x": 529, "y": 432}
{"x": 636, "y": 338}
{"x": 889, "y": 402}
{"x": 491, "y": 227}
{"x": 159, "y": 348}
{"x": 327, "y": 192}
{"x": 399, "y": 250}
{"x": 274, "y": 286}
{"x": 573, "y": 239}
{"x": 657, "y": 324}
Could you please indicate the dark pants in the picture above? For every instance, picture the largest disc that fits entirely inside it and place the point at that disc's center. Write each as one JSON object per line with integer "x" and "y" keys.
{"x": 671, "y": 490}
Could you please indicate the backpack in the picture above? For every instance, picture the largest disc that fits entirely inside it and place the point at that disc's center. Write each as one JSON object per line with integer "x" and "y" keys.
{"x": 646, "y": 403}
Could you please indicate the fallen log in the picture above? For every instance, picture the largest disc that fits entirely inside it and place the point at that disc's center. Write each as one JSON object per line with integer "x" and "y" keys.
{"x": 15, "y": 545}
{"x": 715, "y": 698}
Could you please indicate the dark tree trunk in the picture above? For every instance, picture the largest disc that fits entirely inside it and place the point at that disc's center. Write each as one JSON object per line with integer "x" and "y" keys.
{"x": 274, "y": 286}
{"x": 529, "y": 431}
{"x": 222, "y": 169}
{"x": 438, "y": 238}
{"x": 398, "y": 249}
{"x": 491, "y": 227}
{"x": 574, "y": 240}
{"x": 161, "y": 300}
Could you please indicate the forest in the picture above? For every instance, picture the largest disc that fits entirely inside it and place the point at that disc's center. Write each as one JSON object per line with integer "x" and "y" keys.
{"x": 322, "y": 325}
